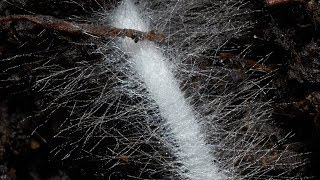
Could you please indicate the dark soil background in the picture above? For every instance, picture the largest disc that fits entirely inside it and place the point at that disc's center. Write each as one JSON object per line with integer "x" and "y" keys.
{"x": 288, "y": 33}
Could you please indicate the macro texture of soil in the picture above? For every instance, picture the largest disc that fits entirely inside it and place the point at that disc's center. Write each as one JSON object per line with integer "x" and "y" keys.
{"x": 287, "y": 34}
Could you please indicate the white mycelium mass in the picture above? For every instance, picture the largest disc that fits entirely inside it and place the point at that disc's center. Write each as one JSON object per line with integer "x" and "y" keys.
{"x": 169, "y": 110}
{"x": 153, "y": 69}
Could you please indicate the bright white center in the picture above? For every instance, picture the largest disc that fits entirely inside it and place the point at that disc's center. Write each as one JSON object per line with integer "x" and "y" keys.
{"x": 152, "y": 67}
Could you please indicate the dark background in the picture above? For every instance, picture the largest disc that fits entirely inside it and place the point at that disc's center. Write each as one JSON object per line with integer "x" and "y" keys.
{"x": 288, "y": 33}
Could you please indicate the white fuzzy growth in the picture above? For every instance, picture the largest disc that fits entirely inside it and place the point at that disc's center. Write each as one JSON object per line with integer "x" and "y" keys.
{"x": 152, "y": 67}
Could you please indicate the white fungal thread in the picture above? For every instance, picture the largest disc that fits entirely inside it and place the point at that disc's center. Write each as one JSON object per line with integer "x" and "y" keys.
{"x": 161, "y": 111}
{"x": 152, "y": 67}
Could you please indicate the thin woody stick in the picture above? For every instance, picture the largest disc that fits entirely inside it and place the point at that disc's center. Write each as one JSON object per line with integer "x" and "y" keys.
{"x": 248, "y": 63}
{"x": 83, "y": 28}
{"x": 270, "y": 3}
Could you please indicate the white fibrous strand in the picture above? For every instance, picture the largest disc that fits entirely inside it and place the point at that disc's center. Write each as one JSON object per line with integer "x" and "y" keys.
{"x": 153, "y": 69}
{"x": 151, "y": 110}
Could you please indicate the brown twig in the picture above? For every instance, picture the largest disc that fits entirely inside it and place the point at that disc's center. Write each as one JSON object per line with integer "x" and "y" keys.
{"x": 248, "y": 63}
{"x": 270, "y": 3}
{"x": 83, "y": 28}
